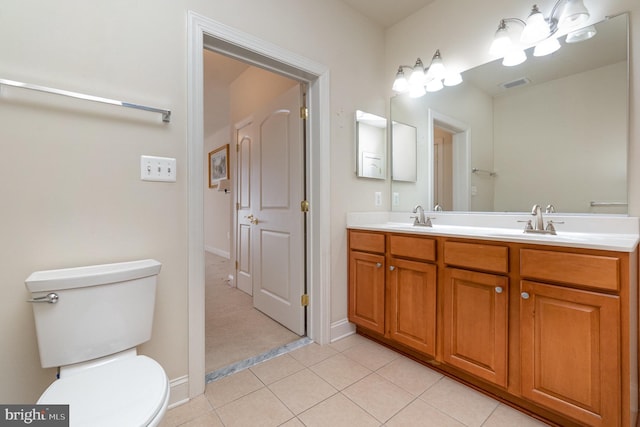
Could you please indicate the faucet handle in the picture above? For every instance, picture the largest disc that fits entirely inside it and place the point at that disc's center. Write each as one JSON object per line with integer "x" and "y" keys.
{"x": 528, "y": 225}
{"x": 427, "y": 221}
{"x": 550, "y": 227}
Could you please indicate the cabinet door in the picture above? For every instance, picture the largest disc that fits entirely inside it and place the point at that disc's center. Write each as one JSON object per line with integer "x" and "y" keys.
{"x": 412, "y": 304}
{"x": 570, "y": 345}
{"x": 475, "y": 323}
{"x": 366, "y": 290}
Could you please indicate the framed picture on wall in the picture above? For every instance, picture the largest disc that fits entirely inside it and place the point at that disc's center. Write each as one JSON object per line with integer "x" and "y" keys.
{"x": 218, "y": 165}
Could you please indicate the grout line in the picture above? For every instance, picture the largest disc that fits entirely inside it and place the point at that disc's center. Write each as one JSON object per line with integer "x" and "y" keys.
{"x": 252, "y": 361}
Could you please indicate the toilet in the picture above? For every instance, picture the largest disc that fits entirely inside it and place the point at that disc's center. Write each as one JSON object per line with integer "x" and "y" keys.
{"x": 89, "y": 321}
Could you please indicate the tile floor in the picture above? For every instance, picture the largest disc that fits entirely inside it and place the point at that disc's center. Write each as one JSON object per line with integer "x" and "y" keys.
{"x": 234, "y": 330}
{"x": 352, "y": 382}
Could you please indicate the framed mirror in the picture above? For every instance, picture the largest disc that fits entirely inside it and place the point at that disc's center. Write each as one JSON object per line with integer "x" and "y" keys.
{"x": 371, "y": 145}
{"x": 553, "y": 130}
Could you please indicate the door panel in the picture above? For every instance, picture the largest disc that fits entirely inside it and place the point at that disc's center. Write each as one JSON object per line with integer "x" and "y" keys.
{"x": 569, "y": 352}
{"x": 412, "y": 304}
{"x": 275, "y": 163}
{"x": 475, "y": 323}
{"x": 243, "y": 246}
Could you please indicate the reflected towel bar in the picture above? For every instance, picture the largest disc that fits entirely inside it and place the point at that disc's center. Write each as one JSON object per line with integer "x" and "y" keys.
{"x": 600, "y": 204}
{"x": 166, "y": 114}
{"x": 490, "y": 173}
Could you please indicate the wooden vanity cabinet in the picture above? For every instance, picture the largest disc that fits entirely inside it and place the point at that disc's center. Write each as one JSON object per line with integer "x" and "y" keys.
{"x": 550, "y": 329}
{"x": 367, "y": 280}
{"x": 476, "y": 310}
{"x": 411, "y": 292}
{"x": 570, "y": 337}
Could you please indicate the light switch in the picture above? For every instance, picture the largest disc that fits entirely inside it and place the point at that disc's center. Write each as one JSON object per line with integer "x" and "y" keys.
{"x": 378, "y": 198}
{"x": 154, "y": 168}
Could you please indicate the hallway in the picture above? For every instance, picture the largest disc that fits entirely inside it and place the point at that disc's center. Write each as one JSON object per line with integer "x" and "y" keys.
{"x": 234, "y": 330}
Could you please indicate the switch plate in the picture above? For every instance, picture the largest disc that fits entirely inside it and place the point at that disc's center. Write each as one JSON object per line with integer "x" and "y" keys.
{"x": 396, "y": 198}
{"x": 378, "y": 198}
{"x": 154, "y": 168}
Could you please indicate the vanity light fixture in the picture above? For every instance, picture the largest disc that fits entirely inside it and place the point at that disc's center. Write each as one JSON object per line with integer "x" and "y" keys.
{"x": 540, "y": 31}
{"x": 423, "y": 80}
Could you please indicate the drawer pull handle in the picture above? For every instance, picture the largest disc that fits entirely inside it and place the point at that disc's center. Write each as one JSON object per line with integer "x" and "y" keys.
{"x": 525, "y": 295}
{"x": 378, "y": 264}
{"x": 498, "y": 289}
{"x": 392, "y": 268}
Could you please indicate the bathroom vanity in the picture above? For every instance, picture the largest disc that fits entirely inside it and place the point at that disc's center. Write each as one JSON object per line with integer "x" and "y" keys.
{"x": 545, "y": 323}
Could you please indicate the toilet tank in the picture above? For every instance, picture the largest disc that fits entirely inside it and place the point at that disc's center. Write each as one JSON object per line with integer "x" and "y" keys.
{"x": 100, "y": 310}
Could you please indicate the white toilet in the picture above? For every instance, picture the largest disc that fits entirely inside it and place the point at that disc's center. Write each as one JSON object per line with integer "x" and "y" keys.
{"x": 89, "y": 321}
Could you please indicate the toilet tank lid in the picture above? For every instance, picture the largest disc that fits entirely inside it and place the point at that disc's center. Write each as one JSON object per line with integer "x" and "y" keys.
{"x": 91, "y": 275}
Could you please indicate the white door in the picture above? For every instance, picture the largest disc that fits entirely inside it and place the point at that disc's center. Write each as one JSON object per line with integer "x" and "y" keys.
{"x": 270, "y": 239}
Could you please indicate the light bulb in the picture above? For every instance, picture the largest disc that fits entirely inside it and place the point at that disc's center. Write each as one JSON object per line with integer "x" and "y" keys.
{"x": 514, "y": 57}
{"x": 536, "y": 27}
{"x": 546, "y": 47}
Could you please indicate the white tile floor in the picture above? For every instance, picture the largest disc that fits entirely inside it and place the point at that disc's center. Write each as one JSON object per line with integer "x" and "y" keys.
{"x": 353, "y": 382}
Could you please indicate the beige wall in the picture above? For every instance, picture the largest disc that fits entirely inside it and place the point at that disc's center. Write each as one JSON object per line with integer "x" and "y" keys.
{"x": 70, "y": 186}
{"x": 572, "y": 155}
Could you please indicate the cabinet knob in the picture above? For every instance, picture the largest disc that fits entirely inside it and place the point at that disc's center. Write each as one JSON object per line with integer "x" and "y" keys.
{"x": 392, "y": 268}
{"x": 378, "y": 264}
{"x": 498, "y": 289}
{"x": 525, "y": 295}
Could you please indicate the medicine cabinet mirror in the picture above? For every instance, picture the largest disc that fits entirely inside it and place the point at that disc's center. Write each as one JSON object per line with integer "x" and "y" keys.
{"x": 371, "y": 145}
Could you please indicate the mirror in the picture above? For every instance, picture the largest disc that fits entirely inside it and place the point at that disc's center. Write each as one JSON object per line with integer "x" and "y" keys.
{"x": 371, "y": 145}
{"x": 553, "y": 130}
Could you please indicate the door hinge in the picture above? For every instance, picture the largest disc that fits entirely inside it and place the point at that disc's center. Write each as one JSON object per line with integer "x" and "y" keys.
{"x": 237, "y": 206}
{"x": 304, "y": 113}
{"x": 304, "y": 300}
{"x": 236, "y": 265}
{"x": 304, "y": 206}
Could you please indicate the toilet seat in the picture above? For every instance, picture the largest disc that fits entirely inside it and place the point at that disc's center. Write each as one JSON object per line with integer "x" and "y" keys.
{"x": 132, "y": 391}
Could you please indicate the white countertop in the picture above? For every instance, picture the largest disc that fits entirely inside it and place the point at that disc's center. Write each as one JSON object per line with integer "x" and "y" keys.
{"x": 606, "y": 232}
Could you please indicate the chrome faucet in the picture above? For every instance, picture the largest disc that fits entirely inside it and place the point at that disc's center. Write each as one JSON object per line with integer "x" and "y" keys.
{"x": 538, "y": 225}
{"x": 437, "y": 207}
{"x": 420, "y": 219}
{"x": 537, "y": 212}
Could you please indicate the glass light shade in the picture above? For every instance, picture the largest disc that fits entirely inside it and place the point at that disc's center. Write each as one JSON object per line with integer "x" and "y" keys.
{"x": 416, "y": 91}
{"x": 436, "y": 69}
{"x": 573, "y": 14}
{"x": 514, "y": 57}
{"x": 434, "y": 85}
{"x": 417, "y": 77}
{"x": 400, "y": 84}
{"x": 501, "y": 43}
{"x": 581, "y": 35}
{"x": 453, "y": 79}
{"x": 546, "y": 47}
{"x": 536, "y": 28}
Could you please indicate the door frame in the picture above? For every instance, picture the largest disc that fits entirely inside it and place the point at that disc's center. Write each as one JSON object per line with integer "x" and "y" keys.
{"x": 461, "y": 158}
{"x": 202, "y": 32}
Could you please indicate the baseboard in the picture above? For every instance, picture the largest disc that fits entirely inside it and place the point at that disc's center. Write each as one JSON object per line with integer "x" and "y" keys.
{"x": 178, "y": 391}
{"x": 216, "y": 251}
{"x": 341, "y": 329}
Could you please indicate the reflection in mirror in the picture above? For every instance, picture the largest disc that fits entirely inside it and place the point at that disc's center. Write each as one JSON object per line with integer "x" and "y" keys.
{"x": 403, "y": 156}
{"x": 553, "y": 130}
{"x": 371, "y": 145}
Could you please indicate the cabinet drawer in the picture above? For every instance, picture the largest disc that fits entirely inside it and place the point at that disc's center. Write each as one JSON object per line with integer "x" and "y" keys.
{"x": 593, "y": 271}
{"x": 412, "y": 247}
{"x": 366, "y": 241}
{"x": 477, "y": 256}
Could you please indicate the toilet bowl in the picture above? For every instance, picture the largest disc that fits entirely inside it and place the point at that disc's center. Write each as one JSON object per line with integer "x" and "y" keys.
{"x": 89, "y": 321}
{"x": 128, "y": 391}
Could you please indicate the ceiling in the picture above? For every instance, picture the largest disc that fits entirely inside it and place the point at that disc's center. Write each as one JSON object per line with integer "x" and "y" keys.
{"x": 387, "y": 12}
